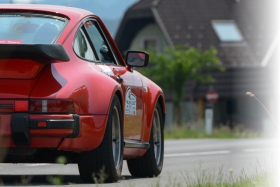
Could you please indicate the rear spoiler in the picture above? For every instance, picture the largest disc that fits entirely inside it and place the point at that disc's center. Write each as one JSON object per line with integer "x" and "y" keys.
{"x": 53, "y": 51}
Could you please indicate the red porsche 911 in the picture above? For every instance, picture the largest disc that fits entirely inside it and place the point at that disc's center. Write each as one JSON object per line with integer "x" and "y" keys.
{"x": 65, "y": 89}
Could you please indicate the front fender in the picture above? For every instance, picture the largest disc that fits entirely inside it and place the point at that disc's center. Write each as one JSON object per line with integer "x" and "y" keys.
{"x": 153, "y": 96}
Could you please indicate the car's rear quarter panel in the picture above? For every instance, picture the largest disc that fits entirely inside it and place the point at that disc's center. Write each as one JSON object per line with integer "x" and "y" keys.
{"x": 91, "y": 92}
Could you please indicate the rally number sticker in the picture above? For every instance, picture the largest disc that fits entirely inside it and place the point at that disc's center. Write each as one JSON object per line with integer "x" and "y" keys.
{"x": 130, "y": 102}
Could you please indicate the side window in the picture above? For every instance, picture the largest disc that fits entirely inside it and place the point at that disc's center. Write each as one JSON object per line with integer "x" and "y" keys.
{"x": 82, "y": 47}
{"x": 103, "y": 51}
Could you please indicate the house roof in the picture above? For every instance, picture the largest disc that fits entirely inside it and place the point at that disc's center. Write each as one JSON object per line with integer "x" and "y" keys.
{"x": 188, "y": 23}
{"x": 135, "y": 18}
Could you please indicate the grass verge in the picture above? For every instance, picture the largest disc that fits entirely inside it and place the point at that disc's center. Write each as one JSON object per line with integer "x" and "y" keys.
{"x": 184, "y": 131}
{"x": 212, "y": 178}
{"x": 261, "y": 178}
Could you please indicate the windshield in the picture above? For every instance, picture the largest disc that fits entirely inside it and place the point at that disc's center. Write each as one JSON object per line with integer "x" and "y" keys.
{"x": 26, "y": 28}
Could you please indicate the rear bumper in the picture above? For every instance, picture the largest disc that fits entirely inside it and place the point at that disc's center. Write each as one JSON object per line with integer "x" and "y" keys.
{"x": 22, "y": 127}
{"x": 63, "y": 132}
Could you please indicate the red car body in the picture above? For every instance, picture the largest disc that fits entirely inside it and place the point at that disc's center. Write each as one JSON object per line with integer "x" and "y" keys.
{"x": 75, "y": 92}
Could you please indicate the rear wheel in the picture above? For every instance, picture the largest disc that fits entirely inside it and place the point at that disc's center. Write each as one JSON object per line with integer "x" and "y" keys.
{"x": 150, "y": 164}
{"x": 105, "y": 162}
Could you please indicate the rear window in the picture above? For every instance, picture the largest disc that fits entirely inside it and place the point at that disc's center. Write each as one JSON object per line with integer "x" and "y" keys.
{"x": 26, "y": 28}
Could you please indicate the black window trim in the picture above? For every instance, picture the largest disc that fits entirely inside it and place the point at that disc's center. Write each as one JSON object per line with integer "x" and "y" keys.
{"x": 105, "y": 39}
{"x": 89, "y": 41}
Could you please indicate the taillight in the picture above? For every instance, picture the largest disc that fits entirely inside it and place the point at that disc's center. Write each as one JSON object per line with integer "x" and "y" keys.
{"x": 7, "y": 106}
{"x": 52, "y": 106}
{"x": 21, "y": 106}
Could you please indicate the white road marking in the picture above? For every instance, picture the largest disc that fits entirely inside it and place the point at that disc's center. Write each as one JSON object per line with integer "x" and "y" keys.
{"x": 259, "y": 150}
{"x": 197, "y": 153}
{"x": 34, "y": 165}
{"x": 251, "y": 150}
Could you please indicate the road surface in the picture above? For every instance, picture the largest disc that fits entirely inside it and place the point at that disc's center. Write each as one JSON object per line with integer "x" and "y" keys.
{"x": 183, "y": 158}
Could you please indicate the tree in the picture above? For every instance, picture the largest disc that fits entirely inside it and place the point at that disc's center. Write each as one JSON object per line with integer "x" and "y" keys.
{"x": 172, "y": 69}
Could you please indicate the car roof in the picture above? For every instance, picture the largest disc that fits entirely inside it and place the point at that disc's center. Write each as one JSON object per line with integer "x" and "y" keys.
{"x": 74, "y": 14}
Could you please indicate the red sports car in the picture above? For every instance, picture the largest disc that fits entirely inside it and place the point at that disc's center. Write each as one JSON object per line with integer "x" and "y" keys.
{"x": 65, "y": 89}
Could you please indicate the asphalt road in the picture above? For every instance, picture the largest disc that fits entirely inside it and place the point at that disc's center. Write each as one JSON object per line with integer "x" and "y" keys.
{"x": 184, "y": 160}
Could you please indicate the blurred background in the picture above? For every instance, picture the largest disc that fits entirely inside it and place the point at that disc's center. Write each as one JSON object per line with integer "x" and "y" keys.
{"x": 245, "y": 34}
{"x": 229, "y": 47}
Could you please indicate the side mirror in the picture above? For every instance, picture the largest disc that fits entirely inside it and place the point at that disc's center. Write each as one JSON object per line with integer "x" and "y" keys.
{"x": 137, "y": 58}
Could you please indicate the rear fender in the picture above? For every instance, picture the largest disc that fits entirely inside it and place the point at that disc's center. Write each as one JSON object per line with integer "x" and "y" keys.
{"x": 92, "y": 93}
{"x": 92, "y": 131}
{"x": 91, "y": 90}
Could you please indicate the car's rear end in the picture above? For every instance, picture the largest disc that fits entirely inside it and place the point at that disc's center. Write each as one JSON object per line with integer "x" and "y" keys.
{"x": 27, "y": 50}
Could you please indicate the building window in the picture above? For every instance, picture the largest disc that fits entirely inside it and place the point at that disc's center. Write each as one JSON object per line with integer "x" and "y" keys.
{"x": 227, "y": 30}
{"x": 150, "y": 43}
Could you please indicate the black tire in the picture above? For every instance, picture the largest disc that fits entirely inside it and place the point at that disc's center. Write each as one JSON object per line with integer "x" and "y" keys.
{"x": 103, "y": 160}
{"x": 150, "y": 165}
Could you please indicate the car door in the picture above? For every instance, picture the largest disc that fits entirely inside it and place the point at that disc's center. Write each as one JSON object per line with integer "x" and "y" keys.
{"x": 130, "y": 82}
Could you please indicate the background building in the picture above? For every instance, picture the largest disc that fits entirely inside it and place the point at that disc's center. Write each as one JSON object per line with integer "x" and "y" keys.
{"x": 246, "y": 34}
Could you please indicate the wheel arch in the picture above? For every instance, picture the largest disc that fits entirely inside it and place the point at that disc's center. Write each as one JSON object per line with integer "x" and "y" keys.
{"x": 151, "y": 162}
{"x": 119, "y": 94}
{"x": 155, "y": 95}
{"x": 95, "y": 99}
{"x": 161, "y": 102}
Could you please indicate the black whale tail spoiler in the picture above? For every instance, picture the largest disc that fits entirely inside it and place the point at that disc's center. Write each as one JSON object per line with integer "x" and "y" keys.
{"x": 27, "y": 51}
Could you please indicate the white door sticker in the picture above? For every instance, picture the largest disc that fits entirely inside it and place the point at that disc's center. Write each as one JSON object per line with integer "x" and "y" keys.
{"x": 130, "y": 102}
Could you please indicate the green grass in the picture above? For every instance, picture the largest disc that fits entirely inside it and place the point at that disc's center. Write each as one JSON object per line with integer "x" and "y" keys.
{"x": 184, "y": 131}
{"x": 212, "y": 178}
{"x": 207, "y": 179}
